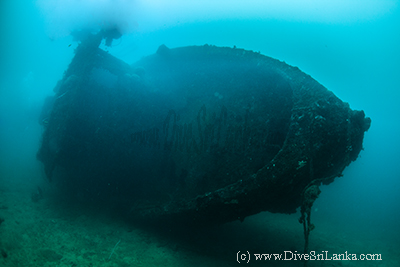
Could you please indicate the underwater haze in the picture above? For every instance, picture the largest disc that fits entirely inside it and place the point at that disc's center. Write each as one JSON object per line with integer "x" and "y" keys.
{"x": 350, "y": 47}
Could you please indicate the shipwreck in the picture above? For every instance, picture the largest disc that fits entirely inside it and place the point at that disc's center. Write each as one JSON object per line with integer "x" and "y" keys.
{"x": 199, "y": 134}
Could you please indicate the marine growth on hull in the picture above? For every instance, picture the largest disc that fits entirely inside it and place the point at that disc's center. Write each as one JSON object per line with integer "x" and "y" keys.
{"x": 197, "y": 134}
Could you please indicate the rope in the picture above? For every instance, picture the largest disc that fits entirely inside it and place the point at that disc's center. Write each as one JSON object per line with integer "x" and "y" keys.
{"x": 311, "y": 193}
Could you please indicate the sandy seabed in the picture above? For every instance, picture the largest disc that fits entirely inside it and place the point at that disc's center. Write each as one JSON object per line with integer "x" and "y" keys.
{"x": 50, "y": 233}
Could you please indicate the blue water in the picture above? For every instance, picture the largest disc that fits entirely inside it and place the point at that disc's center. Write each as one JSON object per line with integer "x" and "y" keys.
{"x": 353, "y": 50}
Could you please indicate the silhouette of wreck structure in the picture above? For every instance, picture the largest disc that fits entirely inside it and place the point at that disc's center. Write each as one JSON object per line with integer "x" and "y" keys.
{"x": 200, "y": 134}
